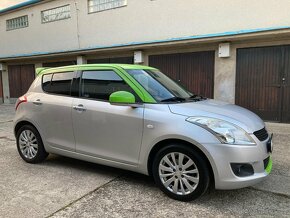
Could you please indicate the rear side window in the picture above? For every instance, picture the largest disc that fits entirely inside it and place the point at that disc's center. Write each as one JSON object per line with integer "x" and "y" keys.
{"x": 58, "y": 83}
{"x": 46, "y": 79}
{"x": 101, "y": 84}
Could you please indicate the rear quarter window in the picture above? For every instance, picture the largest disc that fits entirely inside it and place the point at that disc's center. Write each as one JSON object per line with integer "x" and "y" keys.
{"x": 58, "y": 83}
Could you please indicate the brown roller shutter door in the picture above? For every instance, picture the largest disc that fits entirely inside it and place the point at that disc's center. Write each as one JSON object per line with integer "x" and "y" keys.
{"x": 262, "y": 81}
{"x": 20, "y": 79}
{"x": 193, "y": 70}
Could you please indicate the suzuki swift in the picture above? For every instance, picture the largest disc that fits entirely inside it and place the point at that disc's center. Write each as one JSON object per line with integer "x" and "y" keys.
{"x": 136, "y": 118}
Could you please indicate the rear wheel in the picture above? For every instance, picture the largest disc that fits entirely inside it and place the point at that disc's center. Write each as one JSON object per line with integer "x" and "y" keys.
{"x": 29, "y": 145}
{"x": 181, "y": 172}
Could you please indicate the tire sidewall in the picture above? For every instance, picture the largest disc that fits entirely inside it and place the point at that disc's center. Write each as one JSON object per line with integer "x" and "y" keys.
{"x": 204, "y": 178}
{"x": 41, "y": 153}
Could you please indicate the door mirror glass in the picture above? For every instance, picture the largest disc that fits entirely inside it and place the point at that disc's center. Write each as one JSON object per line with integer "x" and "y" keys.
{"x": 122, "y": 98}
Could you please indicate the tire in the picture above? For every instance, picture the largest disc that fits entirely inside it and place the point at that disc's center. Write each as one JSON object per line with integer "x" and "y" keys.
{"x": 29, "y": 145}
{"x": 193, "y": 176}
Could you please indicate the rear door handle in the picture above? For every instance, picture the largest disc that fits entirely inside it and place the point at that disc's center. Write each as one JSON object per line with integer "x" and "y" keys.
{"x": 79, "y": 107}
{"x": 37, "y": 102}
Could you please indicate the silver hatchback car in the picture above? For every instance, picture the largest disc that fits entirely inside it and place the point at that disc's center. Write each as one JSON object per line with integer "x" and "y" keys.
{"x": 136, "y": 118}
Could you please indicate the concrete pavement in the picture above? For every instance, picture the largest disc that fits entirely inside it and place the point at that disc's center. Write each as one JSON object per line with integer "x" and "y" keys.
{"x": 63, "y": 187}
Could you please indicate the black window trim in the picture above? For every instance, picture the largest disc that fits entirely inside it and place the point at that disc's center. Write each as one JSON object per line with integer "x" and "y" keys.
{"x": 76, "y": 81}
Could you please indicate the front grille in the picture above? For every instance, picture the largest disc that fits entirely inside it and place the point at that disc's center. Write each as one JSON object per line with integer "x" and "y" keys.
{"x": 266, "y": 162}
{"x": 261, "y": 134}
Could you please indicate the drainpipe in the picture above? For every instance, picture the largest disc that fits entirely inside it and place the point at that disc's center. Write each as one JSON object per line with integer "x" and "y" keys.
{"x": 5, "y": 83}
{"x": 77, "y": 24}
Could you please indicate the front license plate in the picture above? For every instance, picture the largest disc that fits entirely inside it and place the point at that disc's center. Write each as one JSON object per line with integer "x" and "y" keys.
{"x": 270, "y": 144}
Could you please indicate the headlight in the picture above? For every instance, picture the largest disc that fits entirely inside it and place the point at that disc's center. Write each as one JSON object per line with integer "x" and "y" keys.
{"x": 226, "y": 132}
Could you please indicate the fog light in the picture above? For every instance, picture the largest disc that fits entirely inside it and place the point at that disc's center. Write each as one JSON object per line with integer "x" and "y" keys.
{"x": 242, "y": 170}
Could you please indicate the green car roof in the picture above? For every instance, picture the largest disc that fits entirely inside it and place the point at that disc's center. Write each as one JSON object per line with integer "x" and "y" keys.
{"x": 142, "y": 93}
{"x": 40, "y": 71}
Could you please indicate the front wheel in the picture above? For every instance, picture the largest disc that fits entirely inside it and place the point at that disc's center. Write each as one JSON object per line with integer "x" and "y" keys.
{"x": 181, "y": 172}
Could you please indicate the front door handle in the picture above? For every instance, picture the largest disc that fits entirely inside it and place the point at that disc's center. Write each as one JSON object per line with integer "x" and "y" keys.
{"x": 79, "y": 107}
{"x": 37, "y": 102}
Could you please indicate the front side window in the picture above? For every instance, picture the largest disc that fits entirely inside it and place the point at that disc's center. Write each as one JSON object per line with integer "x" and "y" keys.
{"x": 55, "y": 14}
{"x": 102, "y": 5}
{"x": 17, "y": 23}
{"x": 58, "y": 83}
{"x": 100, "y": 85}
{"x": 159, "y": 86}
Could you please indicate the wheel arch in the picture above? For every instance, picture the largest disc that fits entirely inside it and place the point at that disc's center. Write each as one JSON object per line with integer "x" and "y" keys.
{"x": 23, "y": 123}
{"x": 166, "y": 142}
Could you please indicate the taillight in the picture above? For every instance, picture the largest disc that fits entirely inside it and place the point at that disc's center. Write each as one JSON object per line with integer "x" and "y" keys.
{"x": 20, "y": 100}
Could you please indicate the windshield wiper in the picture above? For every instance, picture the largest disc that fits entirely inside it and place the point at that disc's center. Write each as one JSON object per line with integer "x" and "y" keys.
{"x": 197, "y": 97}
{"x": 174, "y": 99}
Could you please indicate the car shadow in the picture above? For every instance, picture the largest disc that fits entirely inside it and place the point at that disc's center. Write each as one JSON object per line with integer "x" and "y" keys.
{"x": 56, "y": 161}
{"x": 241, "y": 201}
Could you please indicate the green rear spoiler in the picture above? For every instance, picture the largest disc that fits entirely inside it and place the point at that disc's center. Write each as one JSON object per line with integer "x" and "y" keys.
{"x": 39, "y": 70}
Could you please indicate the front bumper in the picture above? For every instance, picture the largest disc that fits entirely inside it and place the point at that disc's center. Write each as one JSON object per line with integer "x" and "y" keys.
{"x": 224, "y": 155}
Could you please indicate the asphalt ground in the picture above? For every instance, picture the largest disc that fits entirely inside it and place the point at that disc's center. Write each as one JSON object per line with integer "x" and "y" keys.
{"x": 64, "y": 187}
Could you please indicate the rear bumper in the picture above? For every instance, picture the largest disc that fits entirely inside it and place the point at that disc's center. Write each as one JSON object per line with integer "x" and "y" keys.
{"x": 223, "y": 156}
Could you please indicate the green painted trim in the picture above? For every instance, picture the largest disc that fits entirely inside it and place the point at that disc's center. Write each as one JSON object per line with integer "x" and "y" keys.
{"x": 122, "y": 97}
{"x": 269, "y": 167}
{"x": 90, "y": 66}
{"x": 39, "y": 70}
{"x": 55, "y": 70}
{"x": 137, "y": 87}
{"x": 120, "y": 69}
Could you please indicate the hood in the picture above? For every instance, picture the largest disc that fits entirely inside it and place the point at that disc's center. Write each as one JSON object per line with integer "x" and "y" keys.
{"x": 237, "y": 115}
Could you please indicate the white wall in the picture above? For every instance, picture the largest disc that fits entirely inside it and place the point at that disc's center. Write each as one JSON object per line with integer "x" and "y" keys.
{"x": 140, "y": 21}
{"x": 146, "y": 20}
{"x": 38, "y": 37}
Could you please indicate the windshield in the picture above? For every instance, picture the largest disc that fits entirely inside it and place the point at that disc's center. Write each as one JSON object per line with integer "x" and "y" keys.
{"x": 160, "y": 87}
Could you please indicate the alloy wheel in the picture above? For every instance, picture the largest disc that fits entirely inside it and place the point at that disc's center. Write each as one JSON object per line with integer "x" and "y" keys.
{"x": 178, "y": 173}
{"x": 28, "y": 144}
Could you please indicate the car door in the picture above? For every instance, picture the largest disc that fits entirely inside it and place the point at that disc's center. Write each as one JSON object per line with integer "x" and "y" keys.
{"x": 52, "y": 109}
{"x": 103, "y": 130}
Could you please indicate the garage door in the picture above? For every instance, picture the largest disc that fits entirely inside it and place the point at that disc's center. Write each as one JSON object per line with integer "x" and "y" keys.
{"x": 193, "y": 70}
{"x": 262, "y": 82}
{"x": 59, "y": 64}
{"x": 20, "y": 79}
{"x": 116, "y": 60}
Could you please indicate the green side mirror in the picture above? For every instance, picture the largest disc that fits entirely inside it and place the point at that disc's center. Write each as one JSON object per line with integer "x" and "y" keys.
{"x": 122, "y": 98}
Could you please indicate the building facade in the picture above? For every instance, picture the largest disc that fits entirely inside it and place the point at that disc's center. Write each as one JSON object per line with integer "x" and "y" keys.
{"x": 235, "y": 51}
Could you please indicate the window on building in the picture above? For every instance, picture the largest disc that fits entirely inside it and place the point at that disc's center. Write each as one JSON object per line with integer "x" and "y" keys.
{"x": 101, "y": 84}
{"x": 17, "y": 23}
{"x": 55, "y": 14}
{"x": 102, "y": 5}
{"x": 58, "y": 83}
